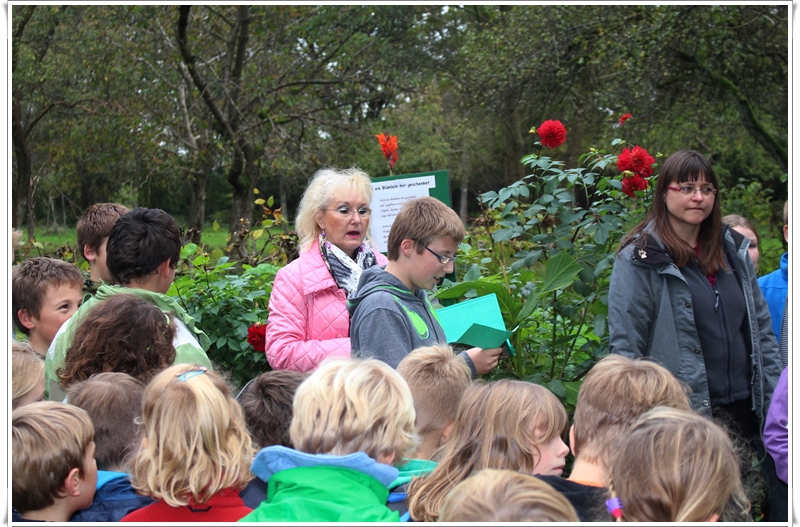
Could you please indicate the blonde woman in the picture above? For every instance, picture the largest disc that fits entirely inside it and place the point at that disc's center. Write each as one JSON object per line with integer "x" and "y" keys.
{"x": 196, "y": 452}
{"x": 308, "y": 320}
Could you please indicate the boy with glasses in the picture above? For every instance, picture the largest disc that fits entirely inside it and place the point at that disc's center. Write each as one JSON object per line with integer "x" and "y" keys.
{"x": 390, "y": 312}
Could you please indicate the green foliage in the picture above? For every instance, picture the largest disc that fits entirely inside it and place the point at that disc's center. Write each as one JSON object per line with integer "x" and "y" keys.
{"x": 225, "y": 304}
{"x": 549, "y": 261}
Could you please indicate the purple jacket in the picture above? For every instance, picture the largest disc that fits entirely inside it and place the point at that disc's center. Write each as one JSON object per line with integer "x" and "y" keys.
{"x": 776, "y": 429}
{"x": 308, "y": 319}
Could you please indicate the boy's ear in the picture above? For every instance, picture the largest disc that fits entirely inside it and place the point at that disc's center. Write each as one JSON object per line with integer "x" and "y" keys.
{"x": 25, "y": 318}
{"x": 72, "y": 485}
{"x": 163, "y": 269}
{"x": 386, "y": 459}
{"x": 89, "y": 253}
{"x": 407, "y": 247}
{"x": 447, "y": 431}
{"x": 572, "y": 439}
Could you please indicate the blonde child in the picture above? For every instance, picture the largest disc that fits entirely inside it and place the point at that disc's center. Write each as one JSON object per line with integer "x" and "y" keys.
{"x": 507, "y": 424}
{"x": 676, "y": 466}
{"x": 196, "y": 451}
{"x": 53, "y": 468}
{"x": 505, "y": 496}
{"x": 437, "y": 378}
{"x": 353, "y": 419}
{"x": 27, "y": 375}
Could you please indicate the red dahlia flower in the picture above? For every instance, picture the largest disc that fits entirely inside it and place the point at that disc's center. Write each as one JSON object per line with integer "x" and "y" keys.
{"x": 625, "y": 117}
{"x": 552, "y": 133}
{"x": 637, "y": 161}
{"x": 257, "y": 336}
{"x": 631, "y": 184}
{"x": 389, "y": 148}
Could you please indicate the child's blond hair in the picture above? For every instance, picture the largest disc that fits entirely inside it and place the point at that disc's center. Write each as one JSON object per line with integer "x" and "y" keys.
{"x": 423, "y": 220}
{"x": 498, "y": 425}
{"x": 677, "y": 466}
{"x": 26, "y": 369}
{"x": 496, "y": 496}
{"x": 437, "y": 378}
{"x": 33, "y": 278}
{"x": 614, "y": 393}
{"x": 196, "y": 440}
{"x": 48, "y": 440}
{"x": 349, "y": 406}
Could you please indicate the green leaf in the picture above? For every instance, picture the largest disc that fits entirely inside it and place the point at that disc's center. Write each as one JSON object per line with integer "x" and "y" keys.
{"x": 560, "y": 272}
{"x": 557, "y": 387}
{"x": 259, "y": 201}
{"x": 221, "y": 342}
{"x": 270, "y": 202}
{"x": 215, "y": 226}
{"x": 473, "y": 273}
{"x": 599, "y": 324}
{"x": 572, "y": 388}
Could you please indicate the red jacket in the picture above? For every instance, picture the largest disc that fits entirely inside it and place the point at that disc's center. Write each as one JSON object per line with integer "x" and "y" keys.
{"x": 224, "y": 506}
{"x": 308, "y": 320}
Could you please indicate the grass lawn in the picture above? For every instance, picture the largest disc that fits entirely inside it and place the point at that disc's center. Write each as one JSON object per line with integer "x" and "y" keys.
{"x": 57, "y": 241}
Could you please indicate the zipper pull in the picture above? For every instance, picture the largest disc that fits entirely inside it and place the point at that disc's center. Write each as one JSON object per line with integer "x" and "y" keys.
{"x": 716, "y": 297}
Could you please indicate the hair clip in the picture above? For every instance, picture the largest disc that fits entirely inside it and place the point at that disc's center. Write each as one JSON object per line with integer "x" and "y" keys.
{"x": 185, "y": 376}
{"x": 614, "y": 507}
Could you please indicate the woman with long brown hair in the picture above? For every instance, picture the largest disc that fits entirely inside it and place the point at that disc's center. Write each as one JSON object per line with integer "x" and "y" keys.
{"x": 684, "y": 292}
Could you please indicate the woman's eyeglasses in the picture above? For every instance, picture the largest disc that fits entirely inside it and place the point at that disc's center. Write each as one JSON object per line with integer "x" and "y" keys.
{"x": 687, "y": 191}
{"x": 363, "y": 212}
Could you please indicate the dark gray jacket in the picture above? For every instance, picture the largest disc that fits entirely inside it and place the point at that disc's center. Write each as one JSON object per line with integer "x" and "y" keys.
{"x": 387, "y": 321}
{"x": 650, "y": 314}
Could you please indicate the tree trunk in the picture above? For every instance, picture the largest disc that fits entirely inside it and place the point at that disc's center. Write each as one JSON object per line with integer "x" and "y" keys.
{"x": 466, "y": 169}
{"x": 284, "y": 204}
{"x": 515, "y": 149}
{"x": 24, "y": 167}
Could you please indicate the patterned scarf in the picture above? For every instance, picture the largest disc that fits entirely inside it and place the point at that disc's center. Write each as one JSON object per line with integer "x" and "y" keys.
{"x": 344, "y": 270}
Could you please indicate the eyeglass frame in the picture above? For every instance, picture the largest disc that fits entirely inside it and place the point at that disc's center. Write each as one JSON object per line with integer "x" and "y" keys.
{"x": 695, "y": 190}
{"x": 444, "y": 260}
{"x": 351, "y": 211}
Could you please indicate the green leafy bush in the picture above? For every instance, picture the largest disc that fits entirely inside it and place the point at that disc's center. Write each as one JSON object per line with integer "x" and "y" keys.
{"x": 225, "y": 303}
{"x": 548, "y": 256}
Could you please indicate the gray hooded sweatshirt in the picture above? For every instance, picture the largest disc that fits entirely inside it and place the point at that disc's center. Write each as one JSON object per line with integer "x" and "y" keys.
{"x": 387, "y": 321}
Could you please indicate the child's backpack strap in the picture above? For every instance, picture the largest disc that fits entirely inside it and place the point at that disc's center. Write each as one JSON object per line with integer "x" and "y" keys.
{"x": 406, "y": 517}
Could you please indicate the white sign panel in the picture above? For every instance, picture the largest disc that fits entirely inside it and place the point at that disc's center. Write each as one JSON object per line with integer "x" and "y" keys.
{"x": 388, "y": 197}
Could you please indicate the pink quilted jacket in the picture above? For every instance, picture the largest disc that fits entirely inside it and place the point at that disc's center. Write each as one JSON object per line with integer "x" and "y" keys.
{"x": 308, "y": 319}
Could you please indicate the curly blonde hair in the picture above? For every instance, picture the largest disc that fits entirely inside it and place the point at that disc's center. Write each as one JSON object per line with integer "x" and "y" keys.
{"x": 196, "y": 439}
{"x": 349, "y": 406}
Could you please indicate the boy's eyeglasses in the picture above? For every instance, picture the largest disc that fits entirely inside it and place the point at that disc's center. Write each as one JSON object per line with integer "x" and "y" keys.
{"x": 444, "y": 260}
{"x": 185, "y": 376}
{"x": 687, "y": 191}
{"x": 363, "y": 212}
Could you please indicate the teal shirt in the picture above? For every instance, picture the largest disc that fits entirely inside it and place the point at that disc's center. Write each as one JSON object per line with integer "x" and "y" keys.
{"x": 413, "y": 467}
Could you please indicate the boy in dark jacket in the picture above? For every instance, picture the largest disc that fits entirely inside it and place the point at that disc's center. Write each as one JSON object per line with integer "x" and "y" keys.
{"x": 113, "y": 401}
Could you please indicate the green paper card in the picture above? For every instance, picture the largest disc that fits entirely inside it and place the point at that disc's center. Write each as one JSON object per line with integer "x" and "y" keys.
{"x": 477, "y": 322}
